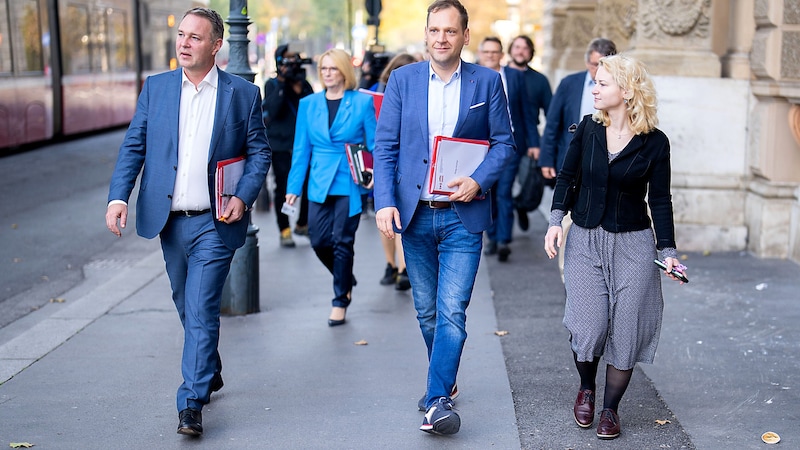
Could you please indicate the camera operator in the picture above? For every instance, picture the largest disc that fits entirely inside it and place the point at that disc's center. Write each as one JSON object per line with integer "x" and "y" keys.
{"x": 282, "y": 95}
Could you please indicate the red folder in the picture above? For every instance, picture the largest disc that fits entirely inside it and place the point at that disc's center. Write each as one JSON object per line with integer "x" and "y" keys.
{"x": 228, "y": 174}
{"x": 453, "y": 158}
{"x": 377, "y": 100}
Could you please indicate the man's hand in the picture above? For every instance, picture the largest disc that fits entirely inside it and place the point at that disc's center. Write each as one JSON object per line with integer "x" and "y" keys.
{"x": 549, "y": 172}
{"x": 467, "y": 189}
{"x": 385, "y": 218}
{"x": 117, "y": 211}
{"x": 234, "y": 211}
{"x": 533, "y": 152}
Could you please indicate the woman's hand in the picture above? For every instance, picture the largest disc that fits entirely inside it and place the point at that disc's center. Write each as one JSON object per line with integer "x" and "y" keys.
{"x": 674, "y": 263}
{"x": 290, "y": 198}
{"x": 371, "y": 180}
{"x": 553, "y": 240}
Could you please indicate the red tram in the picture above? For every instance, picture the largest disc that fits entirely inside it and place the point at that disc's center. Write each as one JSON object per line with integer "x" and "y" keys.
{"x": 70, "y": 67}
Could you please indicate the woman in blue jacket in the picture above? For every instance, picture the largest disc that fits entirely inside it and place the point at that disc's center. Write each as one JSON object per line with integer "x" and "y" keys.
{"x": 326, "y": 122}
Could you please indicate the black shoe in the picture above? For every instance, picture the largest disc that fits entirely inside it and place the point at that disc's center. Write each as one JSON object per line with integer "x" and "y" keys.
{"x": 502, "y": 252}
{"x": 190, "y": 422}
{"x": 389, "y": 276}
{"x": 216, "y": 382}
{"x": 403, "y": 283}
{"x": 491, "y": 248}
{"x": 337, "y": 322}
{"x": 524, "y": 224}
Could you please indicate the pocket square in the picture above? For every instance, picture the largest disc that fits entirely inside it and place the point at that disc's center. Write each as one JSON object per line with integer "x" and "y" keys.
{"x": 477, "y": 105}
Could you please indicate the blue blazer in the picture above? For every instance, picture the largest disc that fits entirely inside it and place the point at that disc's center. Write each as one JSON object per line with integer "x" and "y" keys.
{"x": 522, "y": 113}
{"x": 320, "y": 151}
{"x": 564, "y": 111}
{"x": 151, "y": 146}
{"x": 402, "y": 147}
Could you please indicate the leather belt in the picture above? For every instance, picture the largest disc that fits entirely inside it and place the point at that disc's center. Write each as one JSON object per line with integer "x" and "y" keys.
{"x": 188, "y": 213}
{"x": 434, "y": 204}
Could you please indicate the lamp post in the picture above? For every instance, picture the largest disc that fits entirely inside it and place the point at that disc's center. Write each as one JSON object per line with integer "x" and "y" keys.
{"x": 240, "y": 293}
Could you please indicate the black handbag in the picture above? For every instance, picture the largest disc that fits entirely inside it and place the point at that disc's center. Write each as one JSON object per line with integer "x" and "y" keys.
{"x": 532, "y": 188}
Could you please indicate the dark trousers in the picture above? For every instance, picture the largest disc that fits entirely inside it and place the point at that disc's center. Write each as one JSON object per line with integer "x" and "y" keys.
{"x": 333, "y": 234}
{"x": 281, "y": 164}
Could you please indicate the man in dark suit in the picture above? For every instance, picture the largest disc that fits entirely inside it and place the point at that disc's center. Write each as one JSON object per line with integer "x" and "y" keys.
{"x": 442, "y": 234}
{"x": 186, "y": 121}
{"x": 526, "y": 137}
{"x": 573, "y": 100}
{"x": 540, "y": 93}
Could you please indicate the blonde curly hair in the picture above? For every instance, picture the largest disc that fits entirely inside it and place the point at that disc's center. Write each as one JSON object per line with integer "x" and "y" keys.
{"x": 640, "y": 94}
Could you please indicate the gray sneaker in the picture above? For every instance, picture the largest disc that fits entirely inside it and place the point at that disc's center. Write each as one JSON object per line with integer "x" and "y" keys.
{"x": 440, "y": 418}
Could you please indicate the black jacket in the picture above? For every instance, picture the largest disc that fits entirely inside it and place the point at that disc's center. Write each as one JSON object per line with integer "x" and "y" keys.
{"x": 612, "y": 195}
{"x": 279, "y": 111}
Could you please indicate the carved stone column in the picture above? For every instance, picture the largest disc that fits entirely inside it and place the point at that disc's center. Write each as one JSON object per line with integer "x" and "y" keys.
{"x": 569, "y": 27}
{"x": 674, "y": 37}
{"x": 742, "y": 27}
{"x": 616, "y": 20}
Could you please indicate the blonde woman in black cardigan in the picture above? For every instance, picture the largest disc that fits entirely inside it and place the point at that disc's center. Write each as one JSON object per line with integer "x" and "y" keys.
{"x": 614, "y": 303}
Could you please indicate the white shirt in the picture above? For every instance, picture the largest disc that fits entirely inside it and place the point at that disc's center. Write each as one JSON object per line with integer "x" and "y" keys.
{"x": 196, "y": 124}
{"x": 587, "y": 99}
{"x": 444, "y": 100}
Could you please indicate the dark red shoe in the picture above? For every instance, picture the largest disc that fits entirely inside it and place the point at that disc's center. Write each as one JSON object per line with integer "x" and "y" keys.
{"x": 584, "y": 408}
{"x": 608, "y": 428}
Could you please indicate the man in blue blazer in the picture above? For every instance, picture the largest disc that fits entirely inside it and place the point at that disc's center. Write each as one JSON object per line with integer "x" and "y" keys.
{"x": 186, "y": 121}
{"x": 573, "y": 100}
{"x": 442, "y": 234}
{"x": 526, "y": 137}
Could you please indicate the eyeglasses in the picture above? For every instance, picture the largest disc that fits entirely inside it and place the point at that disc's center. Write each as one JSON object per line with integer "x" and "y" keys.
{"x": 492, "y": 52}
{"x": 329, "y": 69}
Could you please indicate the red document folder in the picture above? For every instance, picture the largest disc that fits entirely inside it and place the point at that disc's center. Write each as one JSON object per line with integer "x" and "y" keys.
{"x": 377, "y": 99}
{"x": 227, "y": 176}
{"x": 453, "y": 158}
{"x": 359, "y": 159}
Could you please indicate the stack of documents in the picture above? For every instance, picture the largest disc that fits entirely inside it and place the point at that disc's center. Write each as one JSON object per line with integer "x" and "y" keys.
{"x": 454, "y": 158}
{"x": 359, "y": 159}
{"x": 227, "y": 176}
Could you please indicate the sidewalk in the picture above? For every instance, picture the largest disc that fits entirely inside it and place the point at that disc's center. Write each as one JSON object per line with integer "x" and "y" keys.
{"x": 101, "y": 370}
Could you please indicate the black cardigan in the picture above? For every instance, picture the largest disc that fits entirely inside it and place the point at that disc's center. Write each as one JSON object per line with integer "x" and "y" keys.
{"x": 612, "y": 195}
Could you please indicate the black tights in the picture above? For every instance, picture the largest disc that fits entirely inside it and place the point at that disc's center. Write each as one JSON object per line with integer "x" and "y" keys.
{"x": 616, "y": 380}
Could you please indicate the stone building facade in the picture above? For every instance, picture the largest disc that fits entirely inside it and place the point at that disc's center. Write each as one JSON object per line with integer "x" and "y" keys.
{"x": 728, "y": 80}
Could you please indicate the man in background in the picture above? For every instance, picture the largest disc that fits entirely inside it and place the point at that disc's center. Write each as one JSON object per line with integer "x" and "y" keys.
{"x": 282, "y": 95}
{"x": 526, "y": 137}
{"x": 521, "y": 52}
{"x": 573, "y": 100}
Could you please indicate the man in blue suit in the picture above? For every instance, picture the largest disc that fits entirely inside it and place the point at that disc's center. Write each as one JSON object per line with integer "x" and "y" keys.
{"x": 186, "y": 121}
{"x": 442, "y": 235}
{"x": 526, "y": 137}
{"x": 573, "y": 100}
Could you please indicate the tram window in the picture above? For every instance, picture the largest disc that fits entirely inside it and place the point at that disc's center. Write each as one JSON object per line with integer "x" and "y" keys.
{"x": 5, "y": 42}
{"x": 118, "y": 41}
{"x": 75, "y": 41}
{"x": 29, "y": 56}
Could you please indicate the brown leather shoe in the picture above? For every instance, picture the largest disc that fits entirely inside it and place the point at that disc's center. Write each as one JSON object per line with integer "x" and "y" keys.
{"x": 608, "y": 427}
{"x": 584, "y": 408}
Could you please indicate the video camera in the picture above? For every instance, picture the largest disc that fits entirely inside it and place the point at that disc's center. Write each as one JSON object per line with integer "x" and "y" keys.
{"x": 292, "y": 67}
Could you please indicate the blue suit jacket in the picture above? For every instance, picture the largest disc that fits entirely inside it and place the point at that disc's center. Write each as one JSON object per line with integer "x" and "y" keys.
{"x": 522, "y": 113}
{"x": 564, "y": 111}
{"x": 151, "y": 146}
{"x": 320, "y": 151}
{"x": 402, "y": 147}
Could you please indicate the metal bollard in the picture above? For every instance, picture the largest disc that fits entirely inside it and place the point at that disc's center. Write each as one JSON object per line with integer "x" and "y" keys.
{"x": 240, "y": 293}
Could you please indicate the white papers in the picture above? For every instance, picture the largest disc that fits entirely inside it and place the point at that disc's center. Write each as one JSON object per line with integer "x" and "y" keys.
{"x": 227, "y": 176}
{"x": 453, "y": 158}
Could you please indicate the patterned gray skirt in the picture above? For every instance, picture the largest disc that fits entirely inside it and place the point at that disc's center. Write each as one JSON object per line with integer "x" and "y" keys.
{"x": 614, "y": 303}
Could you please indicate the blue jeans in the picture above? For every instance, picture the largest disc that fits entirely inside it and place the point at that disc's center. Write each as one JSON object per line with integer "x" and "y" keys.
{"x": 442, "y": 260}
{"x": 503, "y": 204}
{"x": 197, "y": 264}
